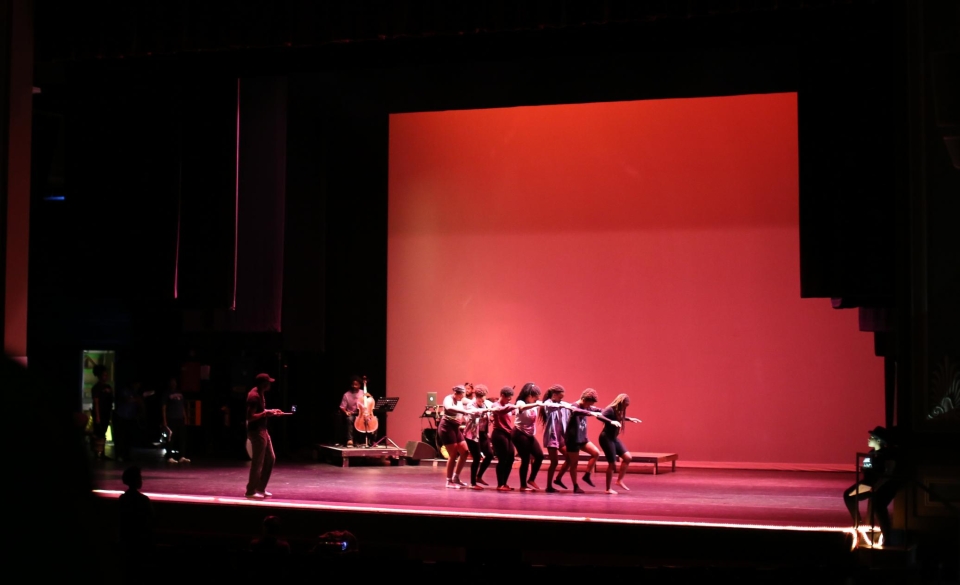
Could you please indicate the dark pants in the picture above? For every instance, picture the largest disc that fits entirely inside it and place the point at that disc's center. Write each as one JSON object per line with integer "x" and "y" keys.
{"x": 123, "y": 434}
{"x": 480, "y": 453}
{"x": 349, "y": 431}
{"x": 879, "y": 498}
{"x": 100, "y": 433}
{"x": 177, "y": 447}
{"x": 503, "y": 447}
{"x": 531, "y": 456}
{"x": 486, "y": 449}
{"x": 262, "y": 460}
{"x": 612, "y": 448}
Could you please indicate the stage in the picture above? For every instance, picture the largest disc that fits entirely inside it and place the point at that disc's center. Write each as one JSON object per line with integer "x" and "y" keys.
{"x": 405, "y": 512}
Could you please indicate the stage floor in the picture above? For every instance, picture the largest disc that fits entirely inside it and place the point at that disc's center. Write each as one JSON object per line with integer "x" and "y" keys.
{"x": 704, "y": 497}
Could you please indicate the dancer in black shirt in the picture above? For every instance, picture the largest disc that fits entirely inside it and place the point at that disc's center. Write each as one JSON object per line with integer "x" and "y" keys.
{"x": 610, "y": 440}
{"x": 576, "y": 436}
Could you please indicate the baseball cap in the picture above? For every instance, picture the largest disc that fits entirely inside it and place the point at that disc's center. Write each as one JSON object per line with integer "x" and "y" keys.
{"x": 264, "y": 378}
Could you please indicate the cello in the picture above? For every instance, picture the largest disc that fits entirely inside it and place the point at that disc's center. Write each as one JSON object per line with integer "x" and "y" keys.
{"x": 366, "y": 422}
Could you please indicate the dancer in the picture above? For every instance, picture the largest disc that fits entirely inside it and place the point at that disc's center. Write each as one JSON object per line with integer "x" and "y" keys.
{"x": 553, "y": 417}
{"x": 450, "y": 436}
{"x": 483, "y": 432}
{"x": 576, "y": 436}
{"x": 503, "y": 414}
{"x": 524, "y": 437}
{"x": 610, "y": 440}
{"x": 478, "y": 413}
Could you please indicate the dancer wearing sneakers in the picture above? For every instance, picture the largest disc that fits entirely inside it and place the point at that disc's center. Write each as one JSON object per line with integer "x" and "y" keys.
{"x": 450, "y": 436}
{"x": 525, "y": 437}
{"x": 477, "y": 442}
{"x": 576, "y": 436}
{"x": 610, "y": 440}
{"x": 263, "y": 458}
{"x": 502, "y": 437}
{"x": 484, "y": 428}
{"x": 554, "y": 415}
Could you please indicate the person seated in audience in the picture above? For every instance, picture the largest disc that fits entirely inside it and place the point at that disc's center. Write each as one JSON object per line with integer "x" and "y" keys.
{"x": 269, "y": 542}
{"x": 137, "y": 523}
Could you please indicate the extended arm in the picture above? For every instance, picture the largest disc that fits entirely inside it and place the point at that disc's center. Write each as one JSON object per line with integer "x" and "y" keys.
{"x": 450, "y": 405}
{"x": 608, "y": 421}
{"x": 591, "y": 412}
{"x": 252, "y": 416}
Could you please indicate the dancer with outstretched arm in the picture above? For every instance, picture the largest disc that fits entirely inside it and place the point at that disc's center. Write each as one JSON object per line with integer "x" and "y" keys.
{"x": 525, "y": 438}
{"x": 503, "y": 416}
{"x": 475, "y": 433}
{"x": 610, "y": 441}
{"x": 576, "y": 436}
{"x": 554, "y": 415}
{"x": 450, "y": 436}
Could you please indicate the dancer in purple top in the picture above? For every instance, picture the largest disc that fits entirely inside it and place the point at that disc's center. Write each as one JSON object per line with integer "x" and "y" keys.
{"x": 554, "y": 415}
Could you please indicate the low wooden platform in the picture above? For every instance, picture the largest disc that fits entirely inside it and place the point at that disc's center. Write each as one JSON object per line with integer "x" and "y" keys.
{"x": 341, "y": 454}
{"x": 656, "y": 459}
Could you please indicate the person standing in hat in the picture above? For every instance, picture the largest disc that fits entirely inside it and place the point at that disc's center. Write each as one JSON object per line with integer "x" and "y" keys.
{"x": 450, "y": 435}
{"x": 263, "y": 458}
{"x": 879, "y": 484}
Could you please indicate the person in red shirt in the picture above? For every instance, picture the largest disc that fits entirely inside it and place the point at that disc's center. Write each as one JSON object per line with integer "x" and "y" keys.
{"x": 503, "y": 417}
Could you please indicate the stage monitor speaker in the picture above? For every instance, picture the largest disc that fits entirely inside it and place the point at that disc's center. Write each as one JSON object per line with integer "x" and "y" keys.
{"x": 418, "y": 450}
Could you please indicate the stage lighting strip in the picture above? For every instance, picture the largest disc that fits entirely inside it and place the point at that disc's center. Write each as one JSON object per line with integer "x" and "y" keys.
{"x": 479, "y": 515}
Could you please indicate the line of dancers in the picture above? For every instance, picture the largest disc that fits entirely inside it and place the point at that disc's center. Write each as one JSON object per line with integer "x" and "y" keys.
{"x": 472, "y": 424}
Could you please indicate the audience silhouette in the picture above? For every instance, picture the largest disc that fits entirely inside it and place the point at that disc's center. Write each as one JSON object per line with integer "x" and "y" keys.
{"x": 270, "y": 542}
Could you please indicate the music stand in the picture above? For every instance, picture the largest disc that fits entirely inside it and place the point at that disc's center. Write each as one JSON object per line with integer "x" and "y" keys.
{"x": 386, "y": 405}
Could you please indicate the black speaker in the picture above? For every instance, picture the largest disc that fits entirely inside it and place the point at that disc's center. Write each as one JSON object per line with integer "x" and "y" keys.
{"x": 429, "y": 436}
{"x": 420, "y": 450}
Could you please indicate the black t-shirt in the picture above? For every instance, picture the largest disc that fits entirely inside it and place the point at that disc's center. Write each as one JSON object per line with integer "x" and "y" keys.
{"x": 176, "y": 405}
{"x": 608, "y": 429}
{"x": 577, "y": 425}
{"x": 875, "y": 465}
{"x": 103, "y": 394}
{"x": 255, "y": 405}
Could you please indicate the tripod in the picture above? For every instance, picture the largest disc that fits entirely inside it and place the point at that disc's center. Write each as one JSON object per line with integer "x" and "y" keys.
{"x": 386, "y": 405}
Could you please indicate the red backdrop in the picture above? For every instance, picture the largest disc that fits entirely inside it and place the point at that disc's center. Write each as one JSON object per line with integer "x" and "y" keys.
{"x": 646, "y": 247}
